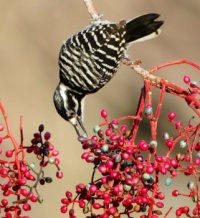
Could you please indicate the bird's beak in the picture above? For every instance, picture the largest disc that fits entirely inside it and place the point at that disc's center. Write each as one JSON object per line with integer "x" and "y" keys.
{"x": 81, "y": 125}
{"x": 74, "y": 122}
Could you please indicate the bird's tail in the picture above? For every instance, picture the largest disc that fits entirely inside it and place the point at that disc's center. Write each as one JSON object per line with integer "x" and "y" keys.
{"x": 143, "y": 28}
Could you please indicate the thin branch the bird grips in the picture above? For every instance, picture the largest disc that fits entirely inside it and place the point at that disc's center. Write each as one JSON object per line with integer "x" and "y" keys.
{"x": 91, "y": 10}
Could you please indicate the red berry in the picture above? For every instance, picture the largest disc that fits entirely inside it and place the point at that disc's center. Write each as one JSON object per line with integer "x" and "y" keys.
{"x": 125, "y": 156}
{"x": 171, "y": 115}
{"x": 150, "y": 169}
{"x": 112, "y": 210}
{"x": 102, "y": 168}
{"x": 106, "y": 202}
{"x": 65, "y": 201}
{"x": 160, "y": 195}
{"x": 124, "y": 128}
{"x": 159, "y": 204}
{"x": 1, "y": 127}
{"x": 128, "y": 181}
{"x": 26, "y": 207}
{"x": 129, "y": 150}
{"x": 105, "y": 196}
{"x": 8, "y": 215}
{"x": 174, "y": 173}
{"x": 63, "y": 209}
{"x": 174, "y": 163}
{"x": 197, "y": 161}
{"x": 113, "y": 137}
{"x": 169, "y": 143}
{"x": 22, "y": 181}
{"x": 175, "y": 193}
{"x": 109, "y": 164}
{"x": 30, "y": 149}
{"x": 135, "y": 180}
{"x": 55, "y": 152}
{"x": 81, "y": 204}
{"x": 93, "y": 188}
{"x": 143, "y": 145}
{"x": 178, "y": 123}
{"x": 56, "y": 161}
{"x": 36, "y": 135}
{"x": 113, "y": 174}
{"x": 179, "y": 212}
{"x": 71, "y": 212}
{"x": 104, "y": 114}
{"x": 79, "y": 188}
{"x": 36, "y": 150}
{"x": 96, "y": 206}
{"x": 116, "y": 190}
{"x": 185, "y": 209}
{"x": 7, "y": 193}
{"x": 47, "y": 136}
{"x": 68, "y": 194}
{"x": 4, "y": 202}
{"x": 186, "y": 79}
{"x": 51, "y": 147}
{"x": 33, "y": 198}
{"x": 3, "y": 172}
{"x": 105, "y": 215}
{"x": 162, "y": 169}
{"x": 85, "y": 155}
{"x": 24, "y": 192}
{"x": 9, "y": 153}
{"x": 59, "y": 174}
{"x": 114, "y": 123}
{"x": 144, "y": 190}
{"x": 108, "y": 132}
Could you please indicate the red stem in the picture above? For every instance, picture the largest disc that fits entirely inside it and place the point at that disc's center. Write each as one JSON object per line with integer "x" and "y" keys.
{"x": 171, "y": 63}
{"x": 14, "y": 142}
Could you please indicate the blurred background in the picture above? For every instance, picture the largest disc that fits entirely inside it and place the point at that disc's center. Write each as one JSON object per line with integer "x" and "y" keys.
{"x": 31, "y": 34}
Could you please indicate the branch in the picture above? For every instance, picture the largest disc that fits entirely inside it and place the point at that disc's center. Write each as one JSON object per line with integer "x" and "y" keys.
{"x": 91, "y": 10}
{"x": 188, "y": 94}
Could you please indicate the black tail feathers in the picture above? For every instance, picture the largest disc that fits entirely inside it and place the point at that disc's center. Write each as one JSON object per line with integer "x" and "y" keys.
{"x": 142, "y": 26}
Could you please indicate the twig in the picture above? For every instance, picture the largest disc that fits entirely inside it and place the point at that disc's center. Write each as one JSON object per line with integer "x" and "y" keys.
{"x": 91, "y": 10}
{"x": 171, "y": 88}
{"x": 182, "y": 61}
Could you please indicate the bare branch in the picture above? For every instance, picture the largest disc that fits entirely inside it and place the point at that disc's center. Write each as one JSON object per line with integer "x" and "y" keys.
{"x": 91, "y": 10}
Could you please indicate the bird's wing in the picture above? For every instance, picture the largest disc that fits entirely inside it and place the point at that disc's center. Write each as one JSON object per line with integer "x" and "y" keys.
{"x": 90, "y": 57}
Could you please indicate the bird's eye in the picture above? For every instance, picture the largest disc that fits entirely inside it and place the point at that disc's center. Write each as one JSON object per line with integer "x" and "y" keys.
{"x": 70, "y": 114}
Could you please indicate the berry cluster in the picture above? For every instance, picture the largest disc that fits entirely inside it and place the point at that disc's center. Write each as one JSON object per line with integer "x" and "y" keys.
{"x": 131, "y": 170}
{"x": 20, "y": 179}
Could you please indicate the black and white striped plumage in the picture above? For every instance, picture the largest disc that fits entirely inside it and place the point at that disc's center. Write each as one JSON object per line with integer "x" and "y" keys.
{"x": 90, "y": 59}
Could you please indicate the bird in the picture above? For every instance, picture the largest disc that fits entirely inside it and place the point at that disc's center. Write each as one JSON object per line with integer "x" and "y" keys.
{"x": 89, "y": 59}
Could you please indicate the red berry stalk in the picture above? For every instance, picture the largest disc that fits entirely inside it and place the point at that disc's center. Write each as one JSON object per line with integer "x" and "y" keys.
{"x": 130, "y": 168}
{"x": 20, "y": 179}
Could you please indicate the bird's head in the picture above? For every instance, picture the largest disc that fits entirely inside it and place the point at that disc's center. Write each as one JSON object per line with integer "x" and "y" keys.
{"x": 70, "y": 106}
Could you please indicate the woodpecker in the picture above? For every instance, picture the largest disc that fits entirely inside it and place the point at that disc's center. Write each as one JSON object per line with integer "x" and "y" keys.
{"x": 89, "y": 60}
